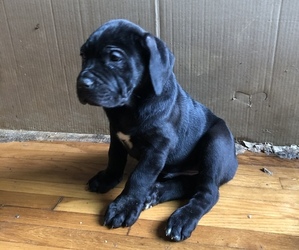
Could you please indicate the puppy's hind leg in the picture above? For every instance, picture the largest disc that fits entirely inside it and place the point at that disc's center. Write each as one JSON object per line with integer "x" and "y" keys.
{"x": 180, "y": 187}
{"x": 184, "y": 220}
{"x": 217, "y": 164}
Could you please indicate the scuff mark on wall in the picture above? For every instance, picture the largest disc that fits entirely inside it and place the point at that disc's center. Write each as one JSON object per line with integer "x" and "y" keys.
{"x": 249, "y": 99}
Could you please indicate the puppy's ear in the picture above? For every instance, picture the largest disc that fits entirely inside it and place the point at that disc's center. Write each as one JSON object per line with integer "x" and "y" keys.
{"x": 161, "y": 62}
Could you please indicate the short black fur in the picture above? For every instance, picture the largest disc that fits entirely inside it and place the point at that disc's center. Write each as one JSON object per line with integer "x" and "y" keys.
{"x": 183, "y": 149}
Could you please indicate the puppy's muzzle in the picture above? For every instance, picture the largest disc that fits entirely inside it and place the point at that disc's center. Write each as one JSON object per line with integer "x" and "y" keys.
{"x": 85, "y": 84}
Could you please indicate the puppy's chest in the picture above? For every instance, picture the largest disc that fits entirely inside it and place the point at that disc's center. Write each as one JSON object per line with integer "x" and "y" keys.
{"x": 131, "y": 144}
{"x": 125, "y": 140}
{"x": 124, "y": 124}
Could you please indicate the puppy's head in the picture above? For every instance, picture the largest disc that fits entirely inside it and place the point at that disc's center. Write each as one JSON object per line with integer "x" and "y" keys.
{"x": 116, "y": 59}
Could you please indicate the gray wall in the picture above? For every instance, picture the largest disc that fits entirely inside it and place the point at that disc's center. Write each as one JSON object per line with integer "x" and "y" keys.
{"x": 240, "y": 58}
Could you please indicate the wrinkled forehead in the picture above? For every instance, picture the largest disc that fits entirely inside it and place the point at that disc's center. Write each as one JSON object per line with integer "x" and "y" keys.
{"x": 115, "y": 32}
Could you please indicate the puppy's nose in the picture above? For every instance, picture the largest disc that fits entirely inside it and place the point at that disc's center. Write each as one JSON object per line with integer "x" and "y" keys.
{"x": 84, "y": 82}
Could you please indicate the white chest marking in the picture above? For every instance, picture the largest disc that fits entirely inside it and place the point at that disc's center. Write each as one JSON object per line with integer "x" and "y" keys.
{"x": 125, "y": 139}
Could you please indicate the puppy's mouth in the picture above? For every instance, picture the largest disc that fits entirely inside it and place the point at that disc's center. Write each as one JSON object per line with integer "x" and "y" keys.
{"x": 106, "y": 102}
{"x": 86, "y": 96}
{"x": 103, "y": 95}
{"x": 82, "y": 101}
{"x": 85, "y": 101}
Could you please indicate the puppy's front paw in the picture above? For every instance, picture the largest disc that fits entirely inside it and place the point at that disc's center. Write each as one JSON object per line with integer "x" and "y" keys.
{"x": 102, "y": 182}
{"x": 123, "y": 212}
{"x": 181, "y": 224}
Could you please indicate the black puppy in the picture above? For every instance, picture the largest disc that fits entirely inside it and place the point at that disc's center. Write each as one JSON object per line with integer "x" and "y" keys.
{"x": 183, "y": 149}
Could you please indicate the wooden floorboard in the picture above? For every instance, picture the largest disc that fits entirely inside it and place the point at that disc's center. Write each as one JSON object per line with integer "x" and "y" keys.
{"x": 44, "y": 204}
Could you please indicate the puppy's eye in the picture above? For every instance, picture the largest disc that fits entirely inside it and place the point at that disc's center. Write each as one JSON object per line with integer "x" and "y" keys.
{"x": 115, "y": 56}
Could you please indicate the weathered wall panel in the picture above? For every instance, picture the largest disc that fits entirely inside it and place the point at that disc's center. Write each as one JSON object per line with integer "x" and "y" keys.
{"x": 225, "y": 56}
{"x": 40, "y": 42}
{"x": 240, "y": 58}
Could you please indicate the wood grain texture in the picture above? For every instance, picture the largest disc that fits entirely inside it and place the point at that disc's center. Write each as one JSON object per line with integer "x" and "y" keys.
{"x": 44, "y": 204}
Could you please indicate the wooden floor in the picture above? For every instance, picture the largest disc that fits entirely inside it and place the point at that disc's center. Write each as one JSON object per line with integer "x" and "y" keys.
{"x": 44, "y": 204}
